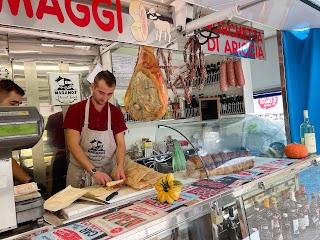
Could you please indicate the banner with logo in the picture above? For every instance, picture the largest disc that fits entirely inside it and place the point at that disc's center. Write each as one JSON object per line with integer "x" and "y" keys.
{"x": 64, "y": 88}
{"x": 272, "y": 104}
{"x": 108, "y": 20}
{"x": 232, "y": 39}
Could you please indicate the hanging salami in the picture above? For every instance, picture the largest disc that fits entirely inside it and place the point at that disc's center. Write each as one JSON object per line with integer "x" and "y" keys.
{"x": 223, "y": 76}
{"x": 231, "y": 79}
{"x": 238, "y": 71}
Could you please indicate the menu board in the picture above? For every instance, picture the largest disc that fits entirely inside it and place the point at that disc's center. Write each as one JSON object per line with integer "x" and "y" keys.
{"x": 122, "y": 68}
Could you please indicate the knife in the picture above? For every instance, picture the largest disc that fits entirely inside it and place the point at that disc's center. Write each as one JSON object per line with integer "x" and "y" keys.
{"x": 93, "y": 199}
{"x": 115, "y": 193}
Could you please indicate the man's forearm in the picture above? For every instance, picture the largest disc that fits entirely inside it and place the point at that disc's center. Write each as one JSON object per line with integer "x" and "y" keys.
{"x": 120, "y": 154}
{"x": 18, "y": 173}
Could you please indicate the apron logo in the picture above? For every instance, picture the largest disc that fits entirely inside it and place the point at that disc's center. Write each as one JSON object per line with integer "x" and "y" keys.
{"x": 96, "y": 152}
{"x": 65, "y": 93}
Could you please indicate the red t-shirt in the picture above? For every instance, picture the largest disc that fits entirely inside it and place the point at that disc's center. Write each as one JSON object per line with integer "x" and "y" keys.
{"x": 97, "y": 120}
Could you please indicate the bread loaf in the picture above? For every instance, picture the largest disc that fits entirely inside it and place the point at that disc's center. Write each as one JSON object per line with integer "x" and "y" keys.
{"x": 114, "y": 184}
{"x": 212, "y": 163}
{"x": 138, "y": 176}
{"x": 146, "y": 98}
{"x": 197, "y": 161}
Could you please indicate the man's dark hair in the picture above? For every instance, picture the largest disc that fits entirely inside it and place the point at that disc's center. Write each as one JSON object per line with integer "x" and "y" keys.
{"x": 107, "y": 77}
{"x": 7, "y": 86}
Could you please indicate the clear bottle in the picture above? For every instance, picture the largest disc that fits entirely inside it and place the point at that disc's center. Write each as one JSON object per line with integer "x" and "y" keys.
{"x": 275, "y": 211}
{"x": 255, "y": 218}
{"x": 294, "y": 222}
{"x": 302, "y": 224}
{"x": 286, "y": 202}
{"x": 314, "y": 211}
{"x": 267, "y": 212}
{"x": 276, "y": 230}
{"x": 286, "y": 227}
{"x": 294, "y": 215}
{"x": 305, "y": 204}
{"x": 307, "y": 134}
{"x": 265, "y": 232}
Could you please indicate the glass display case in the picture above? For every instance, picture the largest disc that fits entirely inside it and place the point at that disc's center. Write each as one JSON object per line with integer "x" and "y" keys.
{"x": 276, "y": 198}
{"x": 220, "y": 143}
{"x": 249, "y": 132}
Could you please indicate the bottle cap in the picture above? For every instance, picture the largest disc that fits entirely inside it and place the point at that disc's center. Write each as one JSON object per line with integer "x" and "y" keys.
{"x": 305, "y": 114}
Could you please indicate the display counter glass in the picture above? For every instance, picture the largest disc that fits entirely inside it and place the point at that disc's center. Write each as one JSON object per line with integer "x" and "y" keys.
{"x": 222, "y": 206}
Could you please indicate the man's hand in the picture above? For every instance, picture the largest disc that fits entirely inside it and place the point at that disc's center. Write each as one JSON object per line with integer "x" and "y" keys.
{"x": 120, "y": 173}
{"x": 101, "y": 178}
{"x": 41, "y": 188}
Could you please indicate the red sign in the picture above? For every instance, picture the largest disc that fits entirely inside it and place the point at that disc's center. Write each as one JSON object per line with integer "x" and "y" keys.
{"x": 99, "y": 19}
{"x": 107, "y": 23}
{"x": 268, "y": 102}
{"x": 235, "y": 40}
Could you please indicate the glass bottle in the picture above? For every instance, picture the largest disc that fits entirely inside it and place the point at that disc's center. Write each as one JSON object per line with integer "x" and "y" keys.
{"x": 286, "y": 227}
{"x": 294, "y": 215}
{"x": 276, "y": 230}
{"x": 286, "y": 202}
{"x": 305, "y": 204}
{"x": 255, "y": 218}
{"x": 307, "y": 134}
{"x": 267, "y": 212}
{"x": 302, "y": 224}
{"x": 314, "y": 210}
{"x": 169, "y": 109}
{"x": 194, "y": 102}
{"x": 275, "y": 211}
{"x": 265, "y": 232}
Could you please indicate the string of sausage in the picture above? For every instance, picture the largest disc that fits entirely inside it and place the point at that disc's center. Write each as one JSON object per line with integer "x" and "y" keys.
{"x": 231, "y": 74}
{"x": 194, "y": 61}
{"x": 179, "y": 79}
{"x": 167, "y": 70}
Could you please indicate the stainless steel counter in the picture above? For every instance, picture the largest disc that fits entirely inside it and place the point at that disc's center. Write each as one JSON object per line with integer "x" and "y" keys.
{"x": 197, "y": 208}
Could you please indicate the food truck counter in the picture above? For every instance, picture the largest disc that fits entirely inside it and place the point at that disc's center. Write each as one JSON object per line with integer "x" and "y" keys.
{"x": 200, "y": 212}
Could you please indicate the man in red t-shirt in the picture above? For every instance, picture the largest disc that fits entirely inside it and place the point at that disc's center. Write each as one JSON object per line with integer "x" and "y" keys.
{"x": 95, "y": 134}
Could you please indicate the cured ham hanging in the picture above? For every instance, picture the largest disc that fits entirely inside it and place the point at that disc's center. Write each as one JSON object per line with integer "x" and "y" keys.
{"x": 146, "y": 98}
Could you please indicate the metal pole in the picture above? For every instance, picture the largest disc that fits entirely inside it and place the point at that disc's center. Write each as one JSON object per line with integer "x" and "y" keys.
{"x": 250, "y": 4}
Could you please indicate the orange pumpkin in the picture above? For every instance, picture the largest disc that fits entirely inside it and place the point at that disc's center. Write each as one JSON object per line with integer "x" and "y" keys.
{"x": 295, "y": 150}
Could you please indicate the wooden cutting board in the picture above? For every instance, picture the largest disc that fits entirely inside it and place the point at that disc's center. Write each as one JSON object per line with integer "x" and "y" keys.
{"x": 81, "y": 207}
{"x": 124, "y": 193}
